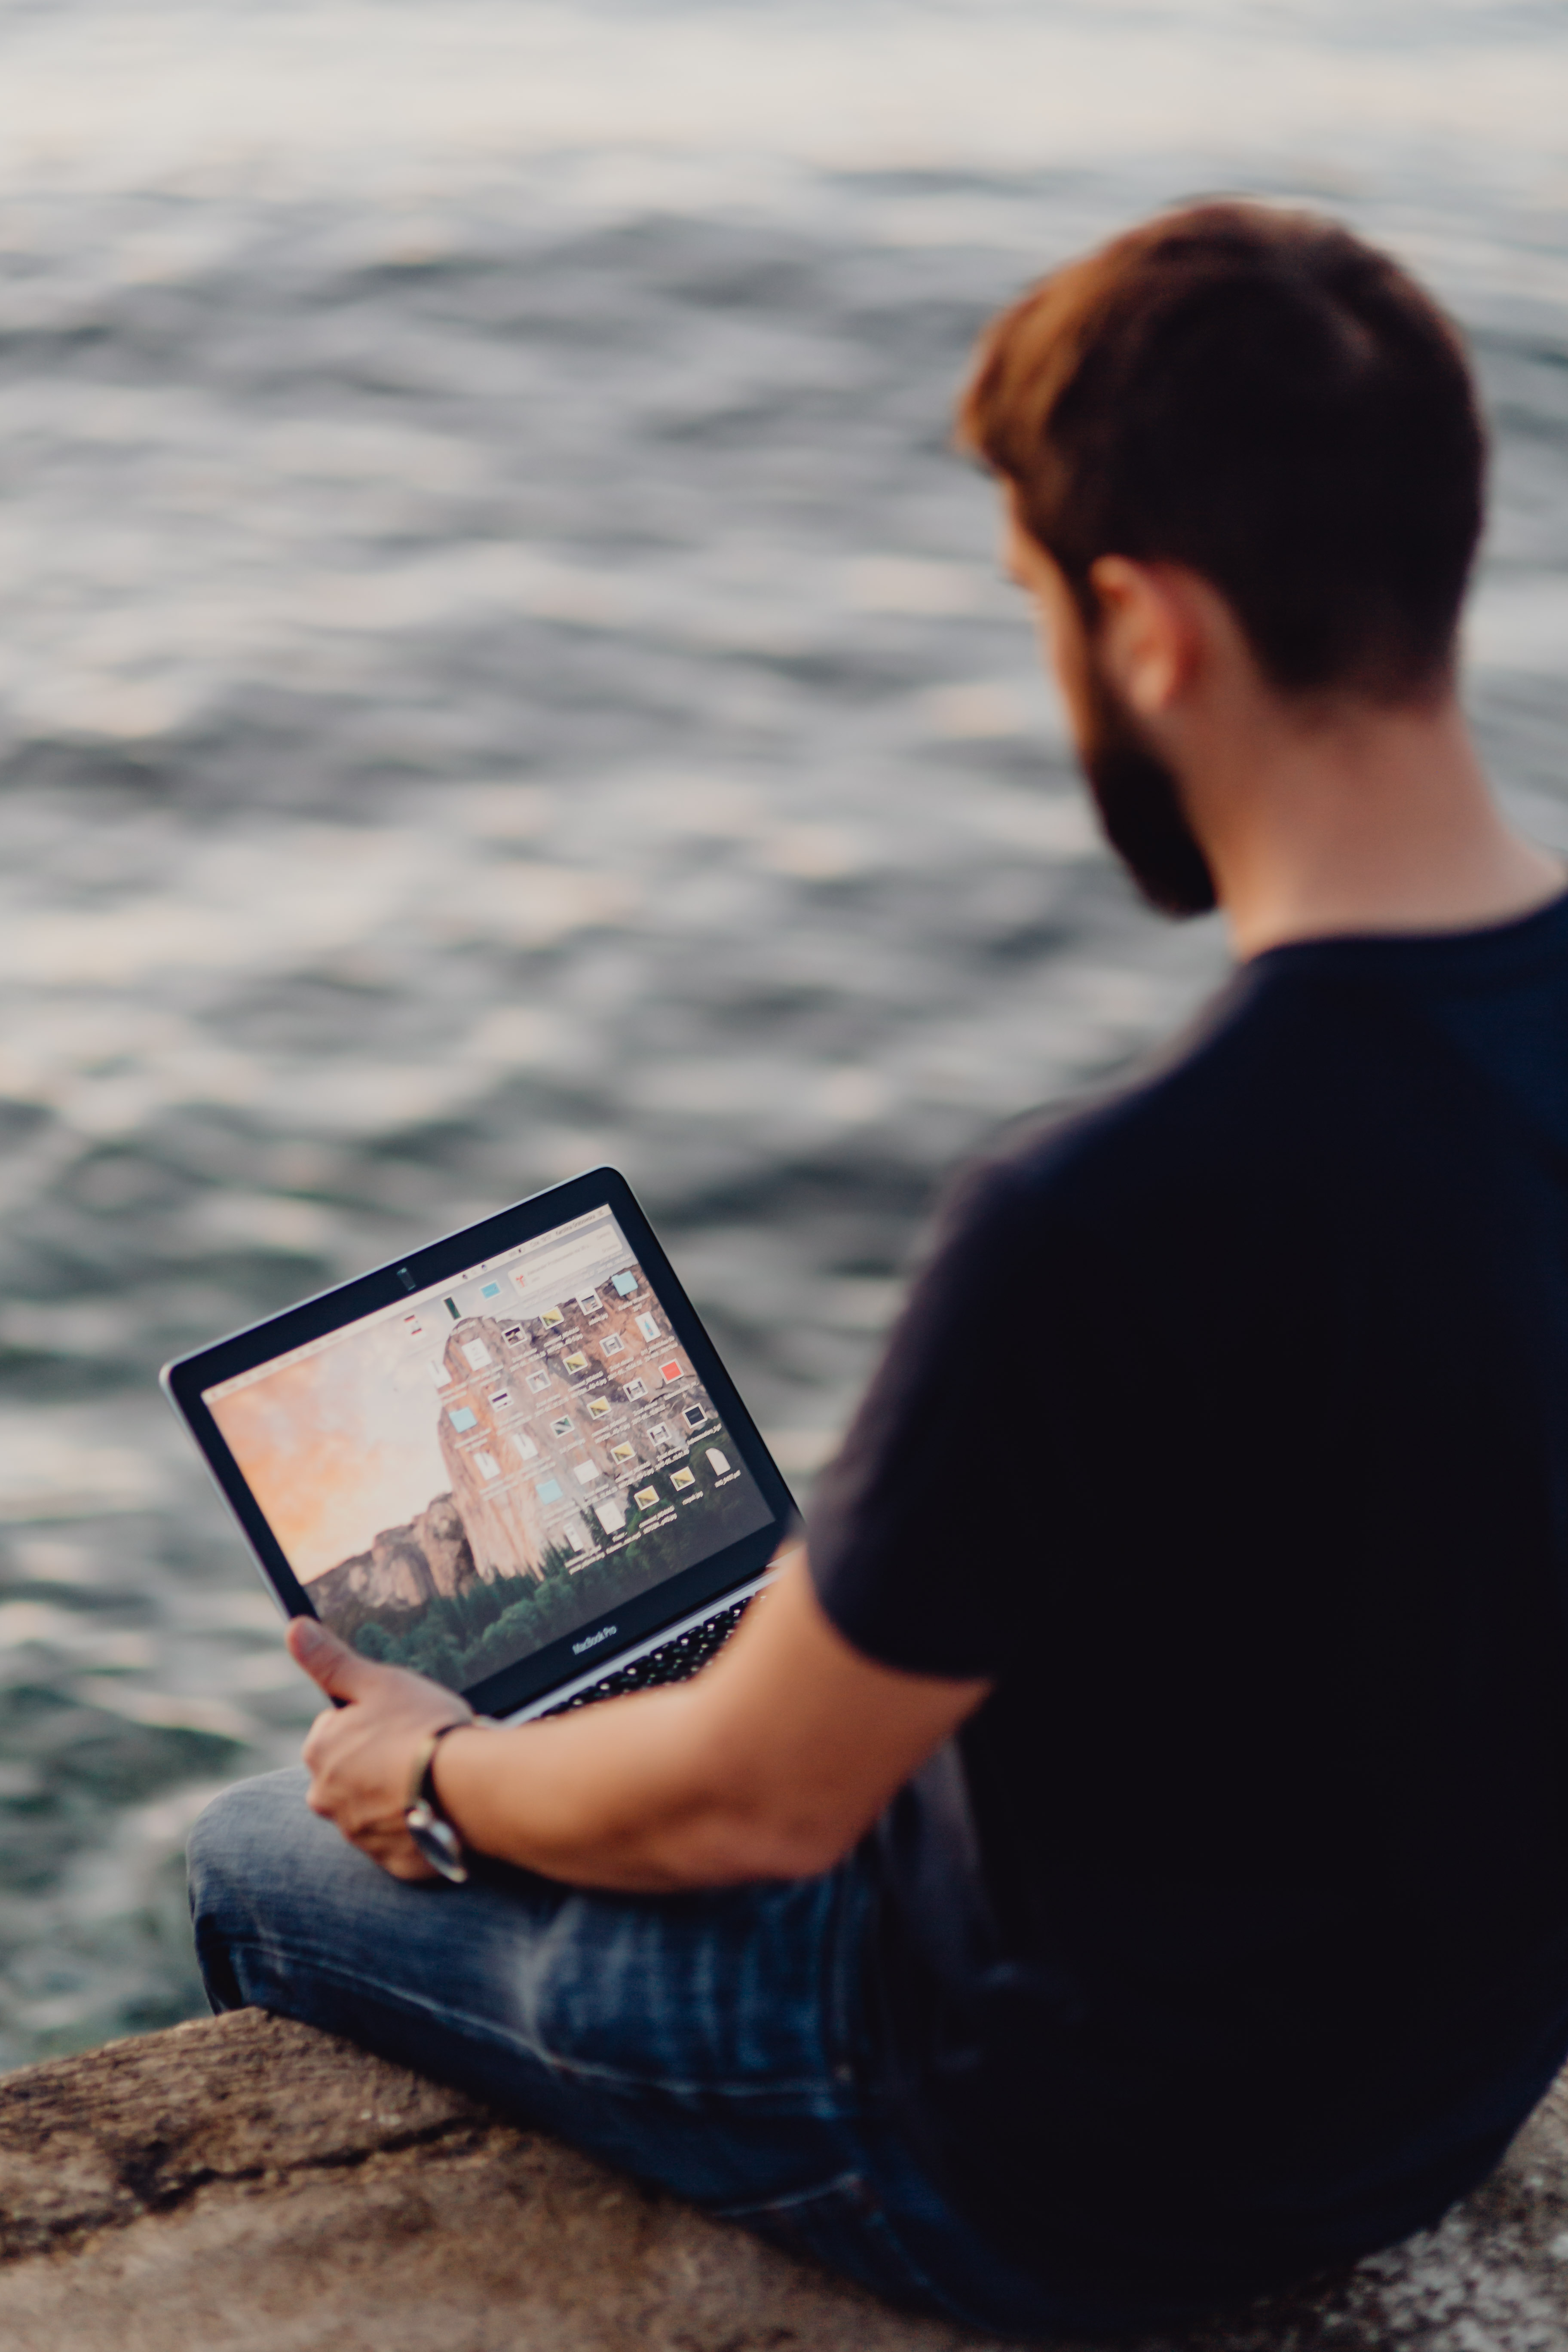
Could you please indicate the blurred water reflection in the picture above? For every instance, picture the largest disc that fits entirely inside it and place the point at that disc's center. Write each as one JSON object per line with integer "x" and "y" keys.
{"x": 500, "y": 671}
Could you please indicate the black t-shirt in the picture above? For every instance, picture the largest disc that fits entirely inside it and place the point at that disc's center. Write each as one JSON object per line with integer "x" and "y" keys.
{"x": 1226, "y": 1432}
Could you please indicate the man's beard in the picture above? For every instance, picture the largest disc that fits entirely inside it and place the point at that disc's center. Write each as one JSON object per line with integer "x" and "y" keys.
{"x": 1140, "y": 806}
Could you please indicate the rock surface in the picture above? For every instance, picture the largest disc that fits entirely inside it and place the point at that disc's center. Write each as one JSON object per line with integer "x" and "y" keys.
{"x": 248, "y": 2185}
{"x": 406, "y": 1567}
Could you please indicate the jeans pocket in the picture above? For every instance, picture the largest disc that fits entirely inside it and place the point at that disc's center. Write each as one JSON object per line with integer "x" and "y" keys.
{"x": 841, "y": 2224}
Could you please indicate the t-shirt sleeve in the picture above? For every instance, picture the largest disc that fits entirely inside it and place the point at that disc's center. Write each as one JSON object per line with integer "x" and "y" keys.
{"x": 925, "y": 1531}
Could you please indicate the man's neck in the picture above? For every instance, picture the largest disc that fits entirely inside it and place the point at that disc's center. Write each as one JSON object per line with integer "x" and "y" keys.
{"x": 1358, "y": 819}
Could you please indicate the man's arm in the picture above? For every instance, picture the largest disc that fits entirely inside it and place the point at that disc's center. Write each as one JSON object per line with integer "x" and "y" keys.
{"x": 768, "y": 1764}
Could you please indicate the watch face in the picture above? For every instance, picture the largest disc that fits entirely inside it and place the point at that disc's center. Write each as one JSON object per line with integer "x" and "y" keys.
{"x": 438, "y": 1841}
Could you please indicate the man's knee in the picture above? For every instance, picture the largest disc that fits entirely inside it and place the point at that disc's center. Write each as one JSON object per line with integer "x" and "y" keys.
{"x": 238, "y": 1856}
{"x": 245, "y": 1831}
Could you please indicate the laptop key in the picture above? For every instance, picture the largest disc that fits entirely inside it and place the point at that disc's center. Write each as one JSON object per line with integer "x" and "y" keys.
{"x": 672, "y": 1662}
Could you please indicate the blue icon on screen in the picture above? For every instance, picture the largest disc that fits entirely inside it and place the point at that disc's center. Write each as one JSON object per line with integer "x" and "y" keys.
{"x": 548, "y": 1490}
{"x": 624, "y": 1283}
{"x": 462, "y": 1416}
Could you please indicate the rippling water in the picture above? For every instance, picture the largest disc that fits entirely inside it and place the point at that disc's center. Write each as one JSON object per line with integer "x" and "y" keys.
{"x": 501, "y": 670}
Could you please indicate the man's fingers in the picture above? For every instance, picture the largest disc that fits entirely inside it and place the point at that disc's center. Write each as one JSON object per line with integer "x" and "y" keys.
{"x": 340, "y": 1672}
{"x": 390, "y": 1846}
{"x": 400, "y": 1858}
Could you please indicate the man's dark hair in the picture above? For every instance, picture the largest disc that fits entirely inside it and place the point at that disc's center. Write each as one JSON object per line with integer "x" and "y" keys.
{"x": 1260, "y": 396}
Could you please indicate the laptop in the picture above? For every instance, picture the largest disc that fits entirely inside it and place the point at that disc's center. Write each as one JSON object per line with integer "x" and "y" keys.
{"x": 511, "y": 1461}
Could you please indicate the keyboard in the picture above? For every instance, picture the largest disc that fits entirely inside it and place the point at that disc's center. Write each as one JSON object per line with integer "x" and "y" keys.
{"x": 671, "y": 1663}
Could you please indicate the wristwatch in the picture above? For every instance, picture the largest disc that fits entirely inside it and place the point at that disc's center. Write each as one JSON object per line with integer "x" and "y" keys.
{"x": 427, "y": 1824}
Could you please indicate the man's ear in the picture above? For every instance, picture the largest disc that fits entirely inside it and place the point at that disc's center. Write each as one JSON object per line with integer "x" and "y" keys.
{"x": 1149, "y": 640}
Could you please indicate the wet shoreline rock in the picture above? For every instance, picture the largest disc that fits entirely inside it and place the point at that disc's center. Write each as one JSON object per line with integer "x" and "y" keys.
{"x": 248, "y": 2185}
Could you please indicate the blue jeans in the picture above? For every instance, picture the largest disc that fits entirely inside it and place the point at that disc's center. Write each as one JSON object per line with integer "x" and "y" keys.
{"x": 714, "y": 2042}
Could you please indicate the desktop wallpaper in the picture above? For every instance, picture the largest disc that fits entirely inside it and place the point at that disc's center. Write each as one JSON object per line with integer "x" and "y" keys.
{"x": 460, "y": 1482}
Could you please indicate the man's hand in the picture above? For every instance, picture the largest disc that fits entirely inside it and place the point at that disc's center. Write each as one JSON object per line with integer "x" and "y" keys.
{"x": 361, "y": 1755}
{"x": 768, "y": 1764}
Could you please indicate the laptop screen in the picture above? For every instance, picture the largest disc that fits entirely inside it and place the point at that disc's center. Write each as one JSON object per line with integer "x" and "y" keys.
{"x": 486, "y": 1466}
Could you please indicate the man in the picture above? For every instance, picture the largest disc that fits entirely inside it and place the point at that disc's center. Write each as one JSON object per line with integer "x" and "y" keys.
{"x": 1126, "y": 1865}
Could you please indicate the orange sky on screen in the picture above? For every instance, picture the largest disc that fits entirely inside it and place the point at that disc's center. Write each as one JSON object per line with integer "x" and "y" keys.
{"x": 333, "y": 1452}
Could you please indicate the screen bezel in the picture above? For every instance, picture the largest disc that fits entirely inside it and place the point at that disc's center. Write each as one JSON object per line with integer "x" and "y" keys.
{"x": 568, "y": 1658}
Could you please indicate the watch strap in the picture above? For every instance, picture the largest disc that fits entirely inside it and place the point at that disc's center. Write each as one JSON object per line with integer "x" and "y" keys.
{"x": 422, "y": 1773}
{"x": 428, "y": 1825}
